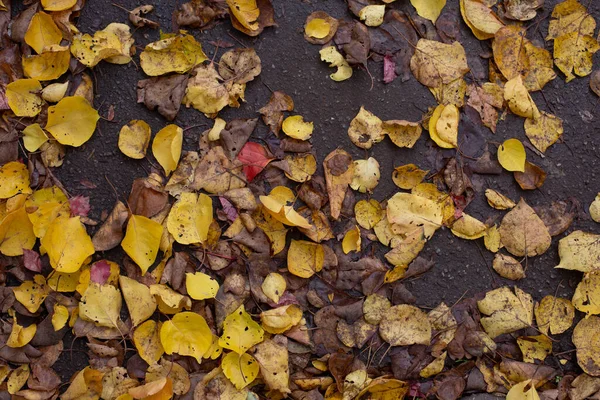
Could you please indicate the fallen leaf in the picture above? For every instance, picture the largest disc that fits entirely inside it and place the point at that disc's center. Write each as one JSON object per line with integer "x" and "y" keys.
{"x": 408, "y": 176}
{"x": 34, "y": 137}
{"x": 58, "y": 5}
{"x": 254, "y": 158}
{"x": 436, "y": 64}
{"x": 72, "y": 121}
{"x": 402, "y": 133}
{"x": 134, "y": 139}
{"x": 336, "y": 60}
{"x": 366, "y": 175}
{"x": 518, "y": 99}
{"x": 240, "y": 369}
{"x": 505, "y": 311}
{"x": 272, "y": 112}
{"x": 67, "y": 243}
{"x": 368, "y": 213}
{"x": 295, "y": 127}
{"x": 480, "y": 18}
{"x": 179, "y": 53}
{"x": 522, "y": 10}
{"x": 142, "y": 239}
{"x": 146, "y": 339}
{"x": 408, "y": 211}
{"x": 101, "y": 304}
{"x": 240, "y": 65}
{"x": 272, "y": 356}
{"x": 201, "y": 286}
{"x": 351, "y": 241}
{"x": 511, "y": 155}
{"x": 320, "y": 27}
{"x": 507, "y": 267}
{"x": 186, "y": 334}
{"x": 404, "y": 325}
{"x": 305, "y": 258}
{"x": 190, "y": 217}
{"x": 166, "y": 147}
{"x": 586, "y": 339}
{"x": 301, "y": 167}
{"x": 523, "y": 232}
{"x": 49, "y": 65}
{"x": 428, "y": 9}
{"x": 544, "y": 131}
{"x": 139, "y": 300}
{"x": 443, "y": 126}
{"x": 111, "y": 233}
{"x": 587, "y": 294}
{"x": 279, "y": 203}
{"x": 165, "y": 93}
{"x": 498, "y": 201}
{"x": 274, "y": 286}
{"x": 42, "y": 32}
{"x": 468, "y": 227}
{"x": 554, "y": 315}
{"x": 240, "y": 331}
{"x": 22, "y": 97}
{"x": 372, "y": 14}
{"x": 523, "y": 391}
{"x": 205, "y": 92}
{"x": 532, "y": 178}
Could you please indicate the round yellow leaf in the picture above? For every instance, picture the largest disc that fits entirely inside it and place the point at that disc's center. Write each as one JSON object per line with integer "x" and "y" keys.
{"x": 67, "y": 243}
{"x": 240, "y": 331}
{"x": 366, "y": 175}
{"x": 34, "y": 137}
{"x": 186, "y": 334}
{"x": 302, "y": 167}
{"x": 305, "y": 258}
{"x": 317, "y": 28}
{"x": 140, "y": 302}
{"x": 22, "y": 97}
{"x": 586, "y": 338}
{"x": 433, "y": 133}
{"x": 49, "y": 65}
{"x": 241, "y": 370}
{"x": 58, "y": 5}
{"x": 408, "y": 176}
{"x": 294, "y": 126}
{"x": 166, "y": 147}
{"x": 372, "y": 14}
{"x": 554, "y": 315}
{"x": 72, "y": 121}
{"x": 511, "y": 155}
{"x": 368, "y": 213}
{"x": 201, "y": 286}
{"x": 134, "y": 139}
{"x": 274, "y": 286}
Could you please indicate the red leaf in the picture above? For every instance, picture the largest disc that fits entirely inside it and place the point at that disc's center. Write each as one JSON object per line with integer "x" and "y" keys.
{"x": 255, "y": 158}
{"x": 99, "y": 272}
{"x": 31, "y": 260}
{"x": 389, "y": 69}
{"x": 80, "y": 205}
{"x": 228, "y": 209}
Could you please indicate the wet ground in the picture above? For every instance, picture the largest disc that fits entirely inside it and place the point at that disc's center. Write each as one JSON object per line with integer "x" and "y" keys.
{"x": 289, "y": 63}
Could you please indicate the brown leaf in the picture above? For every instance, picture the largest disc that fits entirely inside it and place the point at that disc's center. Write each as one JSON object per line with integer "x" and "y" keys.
{"x": 147, "y": 197}
{"x": 240, "y": 65}
{"x": 111, "y": 233}
{"x": 522, "y": 10}
{"x": 558, "y": 215}
{"x": 595, "y": 82}
{"x": 201, "y": 14}
{"x": 272, "y": 112}
{"x": 353, "y": 38}
{"x": 135, "y": 16}
{"x": 236, "y": 134}
{"x": 265, "y": 19}
{"x": 163, "y": 93}
{"x": 533, "y": 177}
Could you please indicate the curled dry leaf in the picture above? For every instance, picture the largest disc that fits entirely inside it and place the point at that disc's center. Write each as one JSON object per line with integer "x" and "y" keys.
{"x": 136, "y": 18}
{"x": 365, "y": 129}
{"x": 522, "y": 10}
{"x": 366, "y": 175}
{"x": 480, "y": 18}
{"x": 336, "y": 60}
{"x": 507, "y": 267}
{"x": 532, "y": 178}
{"x": 402, "y": 133}
{"x": 272, "y": 112}
{"x": 339, "y": 173}
{"x": 498, "y": 200}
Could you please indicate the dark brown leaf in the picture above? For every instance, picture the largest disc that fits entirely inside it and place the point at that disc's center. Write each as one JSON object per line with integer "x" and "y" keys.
{"x": 163, "y": 93}
{"x": 532, "y": 178}
{"x": 272, "y": 112}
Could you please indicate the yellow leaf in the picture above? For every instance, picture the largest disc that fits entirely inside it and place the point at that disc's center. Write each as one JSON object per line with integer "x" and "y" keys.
{"x": 166, "y": 147}
{"x": 15, "y": 179}
{"x": 335, "y": 59}
{"x": 518, "y": 99}
{"x": 201, "y": 286}
{"x": 172, "y": 370}
{"x": 22, "y": 97}
{"x": 511, "y": 155}
{"x": 480, "y": 18}
{"x": 190, "y": 218}
{"x": 594, "y": 209}
{"x": 72, "y": 121}
{"x": 34, "y": 137}
{"x": 49, "y": 65}
{"x": 147, "y": 341}
{"x": 507, "y": 267}
{"x": 43, "y": 206}
{"x": 587, "y": 294}
{"x": 160, "y": 389}
{"x": 339, "y": 172}
{"x": 67, "y": 243}
{"x": 408, "y": 176}
{"x": 506, "y": 311}
{"x": 436, "y": 64}
{"x": 31, "y": 294}
{"x": 573, "y": 54}
{"x": 365, "y": 129}
{"x": 434, "y": 367}
{"x": 169, "y": 301}
{"x": 241, "y": 370}
{"x": 305, "y": 258}
{"x": 383, "y": 388}
{"x": 544, "y": 131}
{"x": 468, "y": 227}
{"x": 429, "y": 9}
{"x": 535, "y": 348}
{"x": 281, "y": 319}
{"x": 522, "y": 232}
{"x": 402, "y": 133}
{"x": 139, "y": 300}
{"x": 42, "y": 32}
{"x": 142, "y": 240}
{"x": 134, "y": 139}
{"x": 186, "y": 334}
{"x": 579, "y": 251}
{"x": 58, "y": 5}
{"x": 523, "y": 391}
{"x": 272, "y": 356}
{"x": 17, "y": 379}
{"x": 63, "y": 282}
{"x": 554, "y": 314}
{"x": 405, "y": 251}
{"x": 240, "y": 331}
{"x": 368, "y": 213}
{"x": 205, "y": 92}
{"x": 498, "y": 200}
{"x": 59, "y": 317}
{"x": 301, "y": 166}
{"x": 178, "y": 53}
{"x": 372, "y": 14}
{"x": 404, "y": 325}
{"x": 112, "y": 44}
{"x": 273, "y": 228}
{"x": 375, "y": 307}
{"x": 101, "y": 304}
{"x": 570, "y": 16}
{"x": 274, "y": 286}
{"x": 246, "y": 12}
{"x": 407, "y": 211}
{"x": 20, "y": 335}
{"x": 586, "y": 338}
{"x": 279, "y": 204}
{"x": 318, "y": 28}
{"x": 295, "y": 127}
{"x": 16, "y": 232}
{"x": 366, "y": 175}
{"x": 351, "y": 241}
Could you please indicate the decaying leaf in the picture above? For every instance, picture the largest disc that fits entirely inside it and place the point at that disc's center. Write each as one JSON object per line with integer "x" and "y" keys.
{"x": 305, "y": 258}
{"x": 366, "y": 175}
{"x": 436, "y": 64}
{"x": 134, "y": 139}
{"x": 409, "y": 211}
{"x": 506, "y": 311}
{"x": 544, "y": 131}
{"x": 480, "y": 18}
{"x": 332, "y": 56}
{"x": 554, "y": 315}
{"x": 586, "y": 339}
{"x": 179, "y": 53}
{"x": 405, "y": 325}
{"x": 320, "y": 27}
{"x": 523, "y": 232}
{"x": 507, "y": 267}
{"x": 498, "y": 200}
